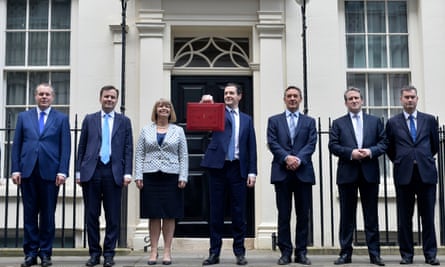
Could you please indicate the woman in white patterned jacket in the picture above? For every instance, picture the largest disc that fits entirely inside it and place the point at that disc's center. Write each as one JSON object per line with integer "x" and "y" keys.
{"x": 161, "y": 175}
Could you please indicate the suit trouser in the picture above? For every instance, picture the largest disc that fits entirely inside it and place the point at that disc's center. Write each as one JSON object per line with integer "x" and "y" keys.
{"x": 348, "y": 213}
{"x": 302, "y": 194}
{"x": 102, "y": 188}
{"x": 39, "y": 206}
{"x": 227, "y": 181}
{"x": 426, "y": 199}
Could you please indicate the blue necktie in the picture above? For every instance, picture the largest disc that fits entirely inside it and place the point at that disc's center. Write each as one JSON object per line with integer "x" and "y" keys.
{"x": 231, "y": 149}
{"x": 105, "y": 146}
{"x": 412, "y": 127}
{"x": 41, "y": 121}
{"x": 292, "y": 126}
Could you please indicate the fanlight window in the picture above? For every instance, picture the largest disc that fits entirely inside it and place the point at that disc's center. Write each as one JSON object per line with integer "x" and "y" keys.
{"x": 211, "y": 52}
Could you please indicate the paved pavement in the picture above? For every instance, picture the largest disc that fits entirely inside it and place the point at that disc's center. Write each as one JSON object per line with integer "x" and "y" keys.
{"x": 192, "y": 258}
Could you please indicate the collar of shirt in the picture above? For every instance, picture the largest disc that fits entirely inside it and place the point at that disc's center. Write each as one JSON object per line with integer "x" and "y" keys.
{"x": 234, "y": 109}
{"x": 46, "y": 111}
{"x": 360, "y": 114}
{"x": 297, "y": 113}
{"x": 406, "y": 115}
{"x": 102, "y": 113}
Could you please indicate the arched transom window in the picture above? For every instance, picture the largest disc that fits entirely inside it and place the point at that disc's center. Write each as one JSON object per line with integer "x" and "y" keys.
{"x": 211, "y": 52}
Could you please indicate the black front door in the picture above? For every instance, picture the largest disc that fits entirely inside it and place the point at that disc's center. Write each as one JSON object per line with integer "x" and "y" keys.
{"x": 190, "y": 89}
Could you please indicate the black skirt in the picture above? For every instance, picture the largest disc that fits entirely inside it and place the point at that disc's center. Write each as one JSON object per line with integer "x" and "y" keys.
{"x": 161, "y": 198}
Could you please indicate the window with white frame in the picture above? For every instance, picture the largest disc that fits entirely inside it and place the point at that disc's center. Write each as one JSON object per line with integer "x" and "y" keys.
{"x": 37, "y": 50}
{"x": 377, "y": 52}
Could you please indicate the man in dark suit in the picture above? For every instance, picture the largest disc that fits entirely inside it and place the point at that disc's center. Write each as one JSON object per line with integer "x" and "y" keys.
{"x": 292, "y": 137}
{"x": 232, "y": 166}
{"x": 104, "y": 165}
{"x": 413, "y": 141}
{"x": 358, "y": 139}
{"x": 40, "y": 162}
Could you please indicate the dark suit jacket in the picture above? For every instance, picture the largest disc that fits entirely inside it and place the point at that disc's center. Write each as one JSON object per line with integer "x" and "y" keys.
{"x": 52, "y": 148}
{"x": 342, "y": 141}
{"x": 280, "y": 144}
{"x": 403, "y": 151}
{"x": 121, "y": 147}
{"x": 217, "y": 148}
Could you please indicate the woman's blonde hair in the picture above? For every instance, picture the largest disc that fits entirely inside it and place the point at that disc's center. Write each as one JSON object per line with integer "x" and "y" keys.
{"x": 161, "y": 102}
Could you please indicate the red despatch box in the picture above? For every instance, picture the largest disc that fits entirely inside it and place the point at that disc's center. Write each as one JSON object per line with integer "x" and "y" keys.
{"x": 205, "y": 117}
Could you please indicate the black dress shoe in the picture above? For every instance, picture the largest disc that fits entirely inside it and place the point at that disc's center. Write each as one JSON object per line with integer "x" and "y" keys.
{"x": 92, "y": 261}
{"x": 302, "y": 259}
{"x": 377, "y": 261}
{"x": 284, "y": 260}
{"x": 108, "y": 261}
{"x": 46, "y": 261}
{"x": 29, "y": 261}
{"x": 212, "y": 259}
{"x": 241, "y": 260}
{"x": 343, "y": 259}
{"x": 406, "y": 261}
{"x": 432, "y": 261}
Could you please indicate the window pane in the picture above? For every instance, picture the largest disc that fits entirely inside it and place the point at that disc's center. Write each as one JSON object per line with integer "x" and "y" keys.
{"x": 376, "y": 17}
{"x": 397, "y": 17}
{"x": 36, "y": 78}
{"x": 61, "y": 14}
{"x": 356, "y": 80}
{"x": 16, "y": 88}
{"x": 15, "y": 48}
{"x": 16, "y": 14}
{"x": 396, "y": 82}
{"x": 377, "y": 51}
{"x": 14, "y": 113}
{"x": 380, "y": 113}
{"x": 38, "y": 14}
{"x": 355, "y": 22}
{"x": 60, "y": 48}
{"x": 377, "y": 90}
{"x": 399, "y": 51}
{"x": 38, "y": 49}
{"x": 355, "y": 46}
{"x": 61, "y": 84}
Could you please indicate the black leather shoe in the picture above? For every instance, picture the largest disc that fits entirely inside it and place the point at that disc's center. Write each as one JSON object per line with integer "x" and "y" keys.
{"x": 284, "y": 260}
{"x": 92, "y": 261}
{"x": 241, "y": 260}
{"x": 46, "y": 261}
{"x": 108, "y": 261}
{"x": 29, "y": 261}
{"x": 343, "y": 259}
{"x": 212, "y": 259}
{"x": 302, "y": 259}
{"x": 406, "y": 261}
{"x": 432, "y": 261}
{"x": 377, "y": 261}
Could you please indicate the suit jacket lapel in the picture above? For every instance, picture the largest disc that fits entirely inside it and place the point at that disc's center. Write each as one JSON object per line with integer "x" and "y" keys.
{"x": 35, "y": 121}
{"x": 116, "y": 123}
{"x": 404, "y": 125}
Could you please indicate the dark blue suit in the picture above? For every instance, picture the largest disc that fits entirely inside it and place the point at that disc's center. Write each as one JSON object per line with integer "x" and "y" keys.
{"x": 39, "y": 158}
{"x": 104, "y": 182}
{"x": 297, "y": 183}
{"x": 230, "y": 177}
{"x": 354, "y": 175}
{"x": 415, "y": 174}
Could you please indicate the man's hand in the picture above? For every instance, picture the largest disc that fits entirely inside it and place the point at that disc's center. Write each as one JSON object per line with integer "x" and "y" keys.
{"x": 251, "y": 181}
{"x": 292, "y": 163}
{"x": 17, "y": 179}
{"x": 182, "y": 184}
{"x": 60, "y": 180}
{"x": 127, "y": 181}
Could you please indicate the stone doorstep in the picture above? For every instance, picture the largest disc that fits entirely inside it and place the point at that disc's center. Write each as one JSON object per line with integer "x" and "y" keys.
{"x": 18, "y": 252}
